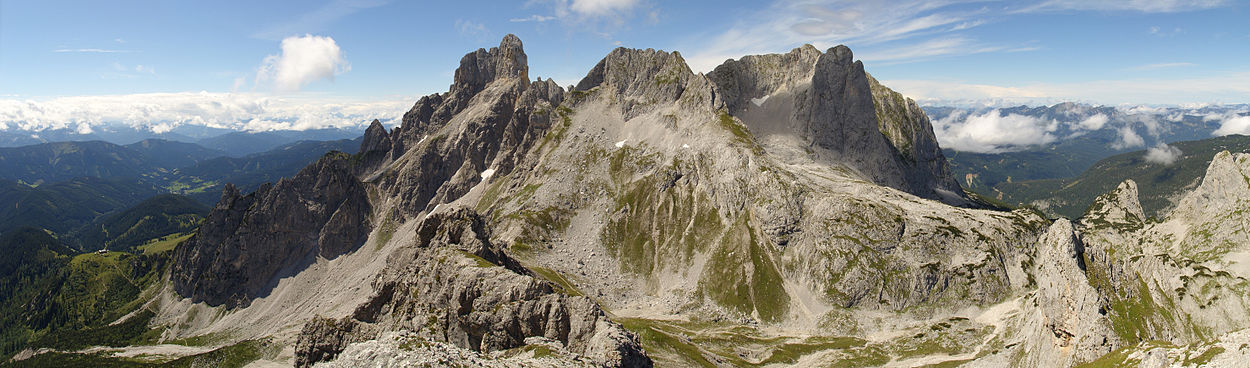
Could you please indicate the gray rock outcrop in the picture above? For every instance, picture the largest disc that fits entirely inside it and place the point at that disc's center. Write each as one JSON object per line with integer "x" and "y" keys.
{"x": 248, "y": 241}
{"x": 453, "y": 285}
{"x": 831, "y": 106}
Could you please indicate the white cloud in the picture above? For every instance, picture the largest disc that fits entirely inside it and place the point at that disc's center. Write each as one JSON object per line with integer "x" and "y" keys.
{"x": 1128, "y": 139}
{"x": 84, "y": 128}
{"x": 162, "y": 112}
{"x": 1163, "y": 154}
{"x": 304, "y": 59}
{"x": 1144, "y": 6}
{"x": 533, "y": 18}
{"x": 1160, "y": 66}
{"x": 1230, "y": 87}
{"x": 993, "y": 132}
{"x": 472, "y": 29}
{"x": 1234, "y": 125}
{"x": 1093, "y": 122}
{"x": 601, "y": 7}
{"x": 921, "y": 28}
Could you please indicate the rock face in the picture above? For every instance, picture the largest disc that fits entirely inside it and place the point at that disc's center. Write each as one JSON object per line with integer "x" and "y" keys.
{"x": 490, "y": 117}
{"x": 375, "y": 148}
{"x": 454, "y": 286}
{"x": 248, "y": 241}
{"x": 826, "y": 103}
{"x": 1074, "y": 329}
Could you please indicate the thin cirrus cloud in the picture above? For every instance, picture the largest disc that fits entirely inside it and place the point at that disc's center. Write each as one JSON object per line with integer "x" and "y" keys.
{"x": 826, "y": 23}
{"x": 303, "y": 60}
{"x": 317, "y": 20}
{"x": 1161, "y": 66}
{"x": 896, "y": 31}
{"x": 1144, "y": 6}
{"x": 92, "y": 51}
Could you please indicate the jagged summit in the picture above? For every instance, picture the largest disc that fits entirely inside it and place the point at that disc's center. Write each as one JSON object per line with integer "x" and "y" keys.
{"x": 481, "y": 67}
{"x": 826, "y": 104}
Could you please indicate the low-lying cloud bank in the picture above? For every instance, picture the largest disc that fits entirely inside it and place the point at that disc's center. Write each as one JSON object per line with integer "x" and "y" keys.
{"x": 1163, "y": 154}
{"x": 1009, "y": 129}
{"x": 161, "y": 112}
{"x": 992, "y": 131}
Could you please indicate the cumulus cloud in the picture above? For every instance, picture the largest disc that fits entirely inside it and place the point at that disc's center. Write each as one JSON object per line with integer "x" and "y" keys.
{"x": 304, "y": 59}
{"x": 1163, "y": 154}
{"x": 1093, "y": 122}
{"x": 993, "y": 132}
{"x": 1234, "y": 125}
{"x": 1128, "y": 139}
{"x": 84, "y": 128}
{"x": 162, "y": 112}
{"x": 601, "y": 7}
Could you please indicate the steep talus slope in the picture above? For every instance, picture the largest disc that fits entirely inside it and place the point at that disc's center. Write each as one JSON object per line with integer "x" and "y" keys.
{"x": 249, "y": 240}
{"x": 826, "y": 103}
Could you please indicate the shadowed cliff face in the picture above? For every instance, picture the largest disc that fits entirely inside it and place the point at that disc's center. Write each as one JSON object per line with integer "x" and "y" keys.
{"x": 248, "y": 241}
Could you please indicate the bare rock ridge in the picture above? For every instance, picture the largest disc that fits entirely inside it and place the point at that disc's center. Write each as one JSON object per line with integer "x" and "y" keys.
{"x": 453, "y": 285}
{"x": 487, "y": 121}
{"x": 832, "y": 107}
{"x": 249, "y": 240}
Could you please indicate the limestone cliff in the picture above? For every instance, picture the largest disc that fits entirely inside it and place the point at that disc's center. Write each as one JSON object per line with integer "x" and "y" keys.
{"x": 248, "y": 241}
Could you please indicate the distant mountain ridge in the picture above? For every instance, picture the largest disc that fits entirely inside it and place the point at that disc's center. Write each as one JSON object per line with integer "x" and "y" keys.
{"x": 1081, "y": 135}
{"x": 233, "y": 142}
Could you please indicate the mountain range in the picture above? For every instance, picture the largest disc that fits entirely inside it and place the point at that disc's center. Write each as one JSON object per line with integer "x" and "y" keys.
{"x": 780, "y": 210}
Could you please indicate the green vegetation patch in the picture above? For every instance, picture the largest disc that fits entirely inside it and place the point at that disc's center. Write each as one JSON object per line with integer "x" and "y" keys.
{"x": 757, "y": 287}
{"x": 659, "y": 224}
{"x": 739, "y": 131}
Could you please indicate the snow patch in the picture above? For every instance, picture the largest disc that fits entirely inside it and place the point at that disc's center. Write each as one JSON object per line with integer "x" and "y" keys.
{"x": 686, "y": 146}
{"x": 760, "y": 101}
{"x": 621, "y": 144}
{"x": 486, "y": 174}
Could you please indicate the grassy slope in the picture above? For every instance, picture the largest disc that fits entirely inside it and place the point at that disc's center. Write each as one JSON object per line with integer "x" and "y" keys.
{"x": 52, "y": 297}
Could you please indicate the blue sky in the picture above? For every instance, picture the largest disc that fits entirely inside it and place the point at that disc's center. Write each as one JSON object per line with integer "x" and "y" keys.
{"x": 62, "y": 55}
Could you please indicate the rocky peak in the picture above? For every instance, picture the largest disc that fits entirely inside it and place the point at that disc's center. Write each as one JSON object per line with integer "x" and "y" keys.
{"x": 481, "y": 67}
{"x": 1119, "y": 208}
{"x": 375, "y": 147}
{"x": 837, "y": 111}
{"x": 639, "y": 77}
{"x": 1226, "y": 184}
{"x": 738, "y": 85}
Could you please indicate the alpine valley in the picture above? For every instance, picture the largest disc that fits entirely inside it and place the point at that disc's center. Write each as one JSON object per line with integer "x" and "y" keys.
{"x": 780, "y": 210}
